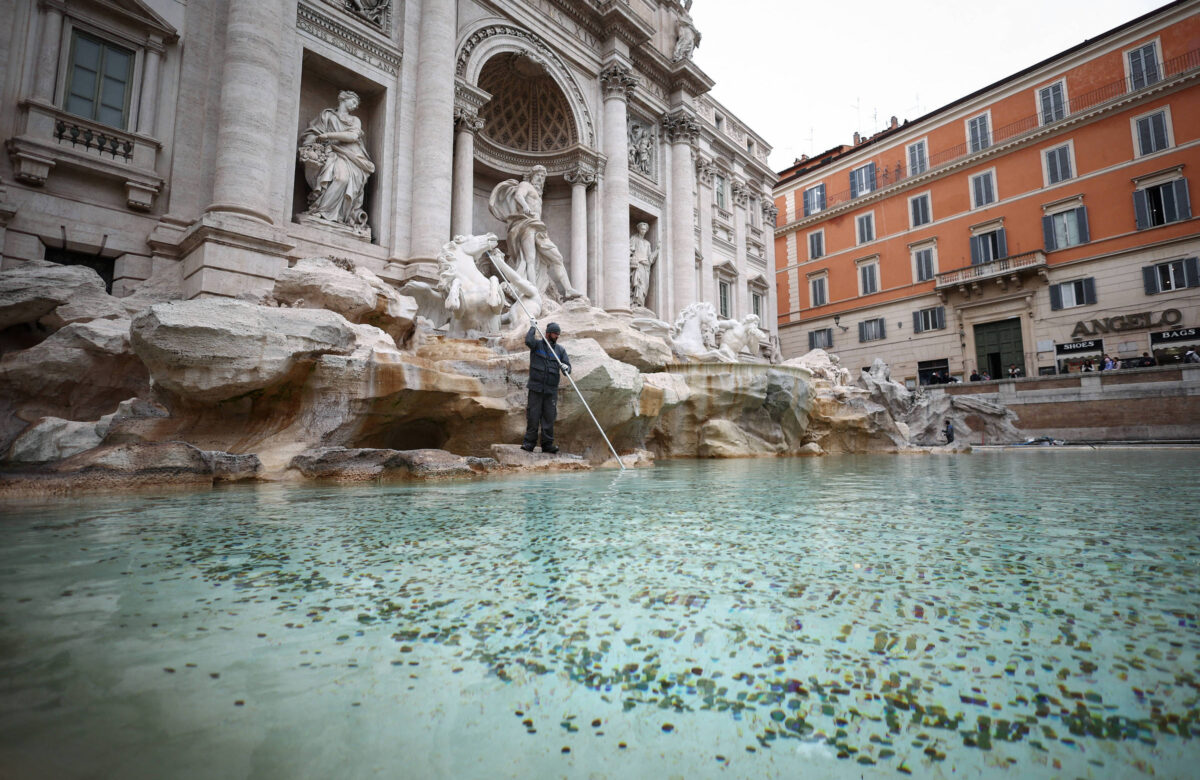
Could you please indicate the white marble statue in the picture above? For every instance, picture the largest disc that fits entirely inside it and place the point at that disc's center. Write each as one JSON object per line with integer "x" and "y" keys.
{"x": 694, "y": 332}
{"x": 337, "y": 166}
{"x": 519, "y": 205}
{"x": 687, "y": 37}
{"x": 738, "y": 337}
{"x": 642, "y": 257}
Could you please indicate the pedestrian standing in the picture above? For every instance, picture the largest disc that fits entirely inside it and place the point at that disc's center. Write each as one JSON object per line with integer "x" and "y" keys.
{"x": 542, "y": 407}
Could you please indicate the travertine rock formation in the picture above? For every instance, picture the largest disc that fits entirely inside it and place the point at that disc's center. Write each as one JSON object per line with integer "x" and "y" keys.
{"x": 211, "y": 389}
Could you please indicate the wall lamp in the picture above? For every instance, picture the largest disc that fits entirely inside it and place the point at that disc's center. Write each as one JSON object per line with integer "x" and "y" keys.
{"x": 837, "y": 320}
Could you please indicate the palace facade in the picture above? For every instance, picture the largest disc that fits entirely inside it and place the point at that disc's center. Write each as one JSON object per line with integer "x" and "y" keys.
{"x": 149, "y": 137}
{"x": 1040, "y": 222}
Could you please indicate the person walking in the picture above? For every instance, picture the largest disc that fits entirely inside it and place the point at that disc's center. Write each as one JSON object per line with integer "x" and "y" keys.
{"x": 949, "y": 432}
{"x": 542, "y": 407}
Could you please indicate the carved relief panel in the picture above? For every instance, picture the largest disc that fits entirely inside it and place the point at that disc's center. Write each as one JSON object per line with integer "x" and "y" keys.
{"x": 643, "y": 147}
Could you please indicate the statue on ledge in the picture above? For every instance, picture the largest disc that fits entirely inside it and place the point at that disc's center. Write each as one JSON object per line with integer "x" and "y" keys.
{"x": 687, "y": 37}
{"x": 337, "y": 166}
{"x": 519, "y": 205}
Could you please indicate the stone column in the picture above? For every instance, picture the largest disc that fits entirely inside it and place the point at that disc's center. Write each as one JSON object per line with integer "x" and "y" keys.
{"x": 148, "y": 110}
{"x": 705, "y": 171}
{"x": 432, "y": 186}
{"x": 682, "y": 131}
{"x": 617, "y": 81}
{"x": 47, "y": 59}
{"x": 249, "y": 98}
{"x": 741, "y": 288}
{"x": 580, "y": 178}
{"x": 462, "y": 219}
{"x": 771, "y": 315}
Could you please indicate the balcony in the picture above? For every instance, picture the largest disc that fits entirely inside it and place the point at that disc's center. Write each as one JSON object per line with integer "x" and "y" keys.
{"x": 51, "y": 137}
{"x": 1004, "y": 272}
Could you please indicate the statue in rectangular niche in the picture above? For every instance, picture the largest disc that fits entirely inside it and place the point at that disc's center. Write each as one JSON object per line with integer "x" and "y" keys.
{"x": 336, "y": 167}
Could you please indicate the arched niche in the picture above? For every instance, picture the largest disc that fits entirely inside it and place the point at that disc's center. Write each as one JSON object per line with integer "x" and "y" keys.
{"x": 493, "y": 46}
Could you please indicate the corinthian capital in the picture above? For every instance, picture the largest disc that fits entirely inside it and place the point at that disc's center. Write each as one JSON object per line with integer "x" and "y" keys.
{"x": 467, "y": 119}
{"x": 581, "y": 174}
{"x": 680, "y": 127}
{"x": 705, "y": 170}
{"x": 741, "y": 194}
{"x": 770, "y": 212}
{"x": 618, "y": 81}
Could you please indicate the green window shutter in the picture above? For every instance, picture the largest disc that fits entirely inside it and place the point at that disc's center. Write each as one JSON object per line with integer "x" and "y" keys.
{"x": 917, "y": 322}
{"x": 1048, "y": 233}
{"x": 1082, "y": 221}
{"x": 1141, "y": 210}
{"x": 1055, "y": 297}
{"x": 1150, "y": 279}
{"x": 1089, "y": 290}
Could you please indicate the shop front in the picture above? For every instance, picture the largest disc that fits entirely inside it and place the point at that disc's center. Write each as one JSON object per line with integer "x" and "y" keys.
{"x": 1076, "y": 356}
{"x": 1169, "y": 346}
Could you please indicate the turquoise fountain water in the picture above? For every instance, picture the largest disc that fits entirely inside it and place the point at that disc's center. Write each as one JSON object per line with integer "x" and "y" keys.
{"x": 1024, "y": 615}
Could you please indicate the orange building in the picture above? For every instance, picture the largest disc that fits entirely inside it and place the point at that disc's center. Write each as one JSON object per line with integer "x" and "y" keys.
{"x": 1039, "y": 223}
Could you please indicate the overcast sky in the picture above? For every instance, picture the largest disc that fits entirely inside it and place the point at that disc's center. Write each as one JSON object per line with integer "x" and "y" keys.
{"x": 807, "y": 75}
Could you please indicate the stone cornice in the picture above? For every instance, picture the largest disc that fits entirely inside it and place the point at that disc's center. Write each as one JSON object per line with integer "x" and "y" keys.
{"x": 468, "y": 96}
{"x": 323, "y": 27}
{"x": 617, "y": 20}
{"x": 557, "y": 163}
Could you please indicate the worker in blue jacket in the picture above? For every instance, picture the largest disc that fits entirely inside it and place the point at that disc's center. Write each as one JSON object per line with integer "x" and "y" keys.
{"x": 543, "y": 386}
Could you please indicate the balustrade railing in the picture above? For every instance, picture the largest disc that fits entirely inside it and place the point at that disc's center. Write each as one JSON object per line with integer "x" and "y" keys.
{"x": 91, "y": 138}
{"x": 998, "y": 267}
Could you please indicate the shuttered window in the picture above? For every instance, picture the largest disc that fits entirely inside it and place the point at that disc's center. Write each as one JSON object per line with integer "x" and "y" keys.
{"x": 983, "y": 189}
{"x": 924, "y": 263}
{"x": 862, "y": 180}
{"x": 865, "y": 224}
{"x": 1067, "y": 295}
{"x": 871, "y": 330}
{"x": 979, "y": 133}
{"x": 820, "y": 339}
{"x": 1066, "y": 228}
{"x": 929, "y": 319}
{"x": 1143, "y": 67}
{"x": 1161, "y": 204}
{"x": 816, "y": 245}
{"x": 1152, "y": 133}
{"x": 1052, "y": 101}
{"x": 1175, "y": 275}
{"x": 918, "y": 158}
{"x": 1058, "y": 164}
{"x": 987, "y": 247}
{"x": 817, "y": 292}
{"x": 920, "y": 210}
{"x": 868, "y": 278}
{"x": 814, "y": 200}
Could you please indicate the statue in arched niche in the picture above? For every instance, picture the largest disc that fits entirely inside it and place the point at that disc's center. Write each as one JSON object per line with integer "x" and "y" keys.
{"x": 519, "y": 205}
{"x": 336, "y": 165}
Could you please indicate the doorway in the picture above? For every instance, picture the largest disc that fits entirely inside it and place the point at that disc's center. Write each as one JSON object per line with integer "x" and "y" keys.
{"x": 997, "y": 345}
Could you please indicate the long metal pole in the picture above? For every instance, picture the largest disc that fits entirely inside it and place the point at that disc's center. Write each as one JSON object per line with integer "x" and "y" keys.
{"x": 499, "y": 267}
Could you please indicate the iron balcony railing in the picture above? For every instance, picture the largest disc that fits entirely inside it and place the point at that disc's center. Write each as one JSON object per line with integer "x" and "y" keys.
{"x": 886, "y": 175}
{"x": 995, "y": 268}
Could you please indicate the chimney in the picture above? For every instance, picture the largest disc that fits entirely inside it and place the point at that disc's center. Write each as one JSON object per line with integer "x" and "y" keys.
{"x": 895, "y": 123}
{"x": 857, "y": 139}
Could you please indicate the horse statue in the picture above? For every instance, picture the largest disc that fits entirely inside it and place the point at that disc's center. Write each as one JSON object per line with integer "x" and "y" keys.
{"x": 693, "y": 334}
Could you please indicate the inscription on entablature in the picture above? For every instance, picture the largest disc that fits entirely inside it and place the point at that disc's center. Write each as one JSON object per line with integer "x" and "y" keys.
{"x": 339, "y": 35}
